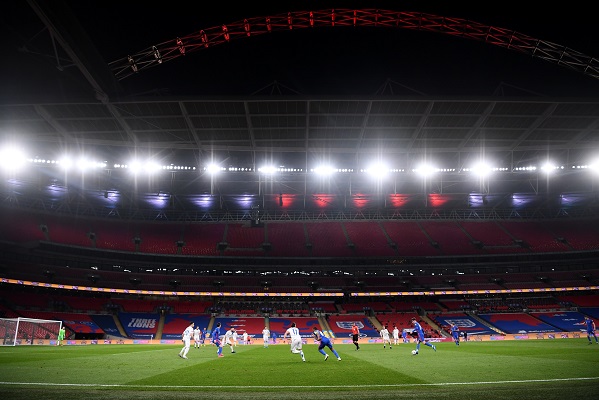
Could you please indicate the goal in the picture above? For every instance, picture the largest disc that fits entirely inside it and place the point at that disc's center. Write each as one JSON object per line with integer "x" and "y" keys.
{"x": 19, "y": 331}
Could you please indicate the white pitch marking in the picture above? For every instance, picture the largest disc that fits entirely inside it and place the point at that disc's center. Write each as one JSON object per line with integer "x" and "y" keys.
{"x": 297, "y": 387}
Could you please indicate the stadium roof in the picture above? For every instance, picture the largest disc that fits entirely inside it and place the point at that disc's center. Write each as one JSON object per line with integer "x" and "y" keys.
{"x": 291, "y": 131}
{"x": 65, "y": 90}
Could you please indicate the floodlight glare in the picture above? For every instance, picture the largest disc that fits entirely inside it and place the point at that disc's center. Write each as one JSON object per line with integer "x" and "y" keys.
{"x": 425, "y": 170}
{"x": 548, "y": 168}
{"x": 152, "y": 167}
{"x": 267, "y": 169}
{"x": 212, "y": 168}
{"x": 83, "y": 164}
{"x": 482, "y": 170}
{"x": 325, "y": 170}
{"x": 378, "y": 170}
{"x": 12, "y": 158}
{"x": 134, "y": 167}
{"x": 65, "y": 163}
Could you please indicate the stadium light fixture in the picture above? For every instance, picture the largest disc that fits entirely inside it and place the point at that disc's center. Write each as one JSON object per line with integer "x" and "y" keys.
{"x": 268, "y": 170}
{"x": 425, "y": 170}
{"x": 213, "y": 169}
{"x": 12, "y": 158}
{"x": 137, "y": 167}
{"x": 134, "y": 167}
{"x": 594, "y": 166}
{"x": 151, "y": 167}
{"x": 324, "y": 170}
{"x": 482, "y": 170}
{"x": 66, "y": 163}
{"x": 550, "y": 168}
{"x": 378, "y": 170}
{"x": 83, "y": 164}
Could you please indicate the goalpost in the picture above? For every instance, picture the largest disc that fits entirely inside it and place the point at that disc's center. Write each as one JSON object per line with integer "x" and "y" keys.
{"x": 19, "y": 331}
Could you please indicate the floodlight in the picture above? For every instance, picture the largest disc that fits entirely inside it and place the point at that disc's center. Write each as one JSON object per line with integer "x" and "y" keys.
{"x": 137, "y": 167}
{"x": 152, "y": 167}
{"x": 134, "y": 167}
{"x": 12, "y": 158}
{"x": 325, "y": 170}
{"x": 425, "y": 170}
{"x": 482, "y": 170}
{"x": 84, "y": 164}
{"x": 594, "y": 166}
{"x": 212, "y": 169}
{"x": 377, "y": 170}
{"x": 269, "y": 169}
{"x": 548, "y": 167}
{"x": 65, "y": 163}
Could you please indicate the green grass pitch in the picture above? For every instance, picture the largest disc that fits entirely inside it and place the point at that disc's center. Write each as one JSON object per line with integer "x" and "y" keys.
{"x": 531, "y": 369}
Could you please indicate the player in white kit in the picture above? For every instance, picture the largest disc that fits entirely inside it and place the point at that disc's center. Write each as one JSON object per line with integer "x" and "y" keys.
{"x": 296, "y": 340}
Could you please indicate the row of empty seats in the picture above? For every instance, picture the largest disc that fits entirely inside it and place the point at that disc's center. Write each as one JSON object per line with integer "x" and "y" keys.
{"x": 146, "y": 324}
{"x": 49, "y": 300}
{"x": 308, "y": 238}
{"x": 188, "y": 282}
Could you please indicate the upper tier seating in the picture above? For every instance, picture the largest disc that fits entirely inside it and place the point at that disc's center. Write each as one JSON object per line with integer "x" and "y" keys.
{"x": 327, "y": 238}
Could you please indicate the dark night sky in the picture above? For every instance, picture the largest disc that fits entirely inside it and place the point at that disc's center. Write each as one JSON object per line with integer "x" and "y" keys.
{"x": 324, "y": 61}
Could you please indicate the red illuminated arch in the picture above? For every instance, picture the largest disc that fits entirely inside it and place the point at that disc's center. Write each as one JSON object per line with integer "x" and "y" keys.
{"x": 210, "y": 37}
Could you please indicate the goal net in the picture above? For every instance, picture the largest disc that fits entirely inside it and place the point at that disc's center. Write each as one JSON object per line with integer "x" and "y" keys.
{"x": 19, "y": 331}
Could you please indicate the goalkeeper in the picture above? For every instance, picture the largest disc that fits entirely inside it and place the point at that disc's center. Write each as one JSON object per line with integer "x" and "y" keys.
{"x": 61, "y": 335}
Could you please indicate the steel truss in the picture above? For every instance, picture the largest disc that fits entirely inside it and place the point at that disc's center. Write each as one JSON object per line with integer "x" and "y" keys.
{"x": 210, "y": 37}
{"x": 89, "y": 210}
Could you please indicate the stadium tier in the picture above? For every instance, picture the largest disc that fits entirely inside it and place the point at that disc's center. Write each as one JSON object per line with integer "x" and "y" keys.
{"x": 175, "y": 324}
{"x": 340, "y": 239}
{"x": 467, "y": 323}
{"x": 517, "y": 323}
{"x": 146, "y": 279}
{"x": 304, "y": 324}
{"x": 341, "y": 325}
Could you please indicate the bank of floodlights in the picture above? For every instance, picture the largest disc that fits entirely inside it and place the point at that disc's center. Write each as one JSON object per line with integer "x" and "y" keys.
{"x": 13, "y": 158}
{"x": 214, "y": 169}
{"x": 425, "y": 170}
{"x": 550, "y": 168}
{"x": 271, "y": 170}
{"x": 324, "y": 170}
{"x": 80, "y": 164}
{"x": 377, "y": 170}
{"x": 481, "y": 169}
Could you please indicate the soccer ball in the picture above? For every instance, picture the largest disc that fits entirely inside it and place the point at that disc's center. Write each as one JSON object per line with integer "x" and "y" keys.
{"x": 414, "y": 352}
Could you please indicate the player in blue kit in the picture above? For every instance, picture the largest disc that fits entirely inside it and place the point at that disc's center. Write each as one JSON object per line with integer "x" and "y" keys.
{"x": 216, "y": 340}
{"x": 455, "y": 333}
{"x": 420, "y": 338}
{"x": 203, "y": 336}
{"x": 324, "y": 342}
{"x": 404, "y": 335}
{"x": 590, "y": 324}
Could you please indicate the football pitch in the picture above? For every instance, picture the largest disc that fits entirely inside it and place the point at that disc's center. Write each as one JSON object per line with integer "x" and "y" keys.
{"x": 528, "y": 369}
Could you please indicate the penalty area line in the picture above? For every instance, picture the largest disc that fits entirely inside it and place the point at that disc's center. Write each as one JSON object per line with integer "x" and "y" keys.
{"x": 399, "y": 385}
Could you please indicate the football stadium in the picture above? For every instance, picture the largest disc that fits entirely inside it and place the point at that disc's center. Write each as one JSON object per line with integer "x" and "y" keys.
{"x": 289, "y": 201}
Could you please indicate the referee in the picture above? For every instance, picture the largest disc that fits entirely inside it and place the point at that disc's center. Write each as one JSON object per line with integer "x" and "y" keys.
{"x": 355, "y": 332}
